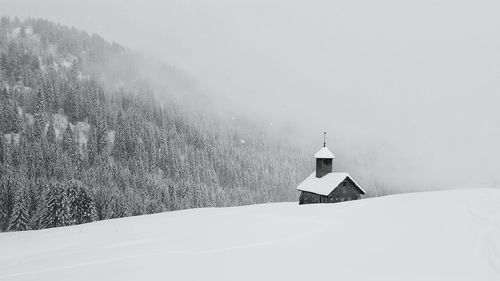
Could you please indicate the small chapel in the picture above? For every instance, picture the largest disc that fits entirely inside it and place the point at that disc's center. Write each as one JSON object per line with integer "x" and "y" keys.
{"x": 326, "y": 186}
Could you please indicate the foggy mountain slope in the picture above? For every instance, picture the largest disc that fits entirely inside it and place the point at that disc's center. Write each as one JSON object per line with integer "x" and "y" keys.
{"x": 85, "y": 136}
{"x": 410, "y": 82}
{"x": 450, "y": 235}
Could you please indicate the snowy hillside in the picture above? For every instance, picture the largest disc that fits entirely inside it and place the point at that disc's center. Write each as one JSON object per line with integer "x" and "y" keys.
{"x": 452, "y": 235}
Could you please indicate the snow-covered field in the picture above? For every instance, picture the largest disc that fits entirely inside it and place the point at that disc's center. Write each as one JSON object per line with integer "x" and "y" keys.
{"x": 452, "y": 235}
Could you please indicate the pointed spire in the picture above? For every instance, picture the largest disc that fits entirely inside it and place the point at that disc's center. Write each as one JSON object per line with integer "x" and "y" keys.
{"x": 324, "y": 152}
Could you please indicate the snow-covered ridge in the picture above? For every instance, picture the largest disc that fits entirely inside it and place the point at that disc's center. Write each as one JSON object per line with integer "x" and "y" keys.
{"x": 448, "y": 235}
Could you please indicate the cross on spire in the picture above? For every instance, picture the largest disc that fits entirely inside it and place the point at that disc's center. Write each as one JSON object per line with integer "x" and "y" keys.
{"x": 324, "y": 139}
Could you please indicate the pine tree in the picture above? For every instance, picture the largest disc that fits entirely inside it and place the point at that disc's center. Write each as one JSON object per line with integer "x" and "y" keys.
{"x": 101, "y": 134}
{"x": 1, "y": 148}
{"x": 51, "y": 156}
{"x": 72, "y": 189}
{"x": 19, "y": 219}
{"x": 51, "y": 102}
{"x": 9, "y": 118}
{"x": 82, "y": 207}
{"x": 14, "y": 119}
{"x": 120, "y": 151}
{"x": 37, "y": 160}
{"x": 2, "y": 75}
{"x": 68, "y": 140}
{"x": 56, "y": 212}
{"x": 34, "y": 63}
{"x": 8, "y": 185}
{"x": 4, "y": 96}
{"x": 51, "y": 133}
{"x": 39, "y": 125}
{"x": 74, "y": 70}
{"x": 93, "y": 154}
{"x": 97, "y": 141}
{"x": 72, "y": 105}
{"x": 87, "y": 212}
{"x": 21, "y": 151}
{"x": 4, "y": 108}
{"x": 3, "y": 67}
{"x": 7, "y": 152}
{"x": 213, "y": 183}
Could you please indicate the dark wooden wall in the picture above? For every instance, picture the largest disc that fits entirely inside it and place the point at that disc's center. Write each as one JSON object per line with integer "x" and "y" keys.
{"x": 344, "y": 192}
{"x": 323, "y": 167}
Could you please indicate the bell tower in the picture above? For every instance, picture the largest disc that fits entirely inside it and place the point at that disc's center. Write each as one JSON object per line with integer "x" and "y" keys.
{"x": 324, "y": 160}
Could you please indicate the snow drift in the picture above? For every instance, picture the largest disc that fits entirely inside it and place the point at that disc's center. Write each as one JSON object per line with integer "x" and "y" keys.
{"x": 452, "y": 235}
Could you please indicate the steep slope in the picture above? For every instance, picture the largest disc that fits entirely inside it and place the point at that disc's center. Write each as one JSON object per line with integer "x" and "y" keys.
{"x": 76, "y": 108}
{"x": 452, "y": 235}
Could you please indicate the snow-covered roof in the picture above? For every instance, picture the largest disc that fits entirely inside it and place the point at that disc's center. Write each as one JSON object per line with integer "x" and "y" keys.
{"x": 326, "y": 184}
{"x": 324, "y": 152}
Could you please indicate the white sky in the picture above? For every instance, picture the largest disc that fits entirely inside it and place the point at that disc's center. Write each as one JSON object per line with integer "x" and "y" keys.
{"x": 413, "y": 81}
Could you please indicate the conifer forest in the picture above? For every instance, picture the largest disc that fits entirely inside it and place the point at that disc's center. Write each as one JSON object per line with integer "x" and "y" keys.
{"x": 80, "y": 143}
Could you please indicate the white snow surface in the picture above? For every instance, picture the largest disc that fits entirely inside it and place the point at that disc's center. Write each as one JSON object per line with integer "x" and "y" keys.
{"x": 448, "y": 235}
{"x": 326, "y": 184}
{"x": 324, "y": 152}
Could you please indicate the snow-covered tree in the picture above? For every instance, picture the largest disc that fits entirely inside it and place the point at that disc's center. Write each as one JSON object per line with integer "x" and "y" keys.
{"x": 56, "y": 212}
{"x": 82, "y": 206}
{"x": 9, "y": 120}
{"x": 51, "y": 100}
{"x": 72, "y": 104}
{"x": 37, "y": 161}
{"x": 120, "y": 151}
{"x": 67, "y": 139}
{"x": 69, "y": 144}
{"x": 2, "y": 148}
{"x": 39, "y": 125}
{"x": 51, "y": 133}
{"x": 3, "y": 67}
{"x": 8, "y": 186}
{"x": 19, "y": 219}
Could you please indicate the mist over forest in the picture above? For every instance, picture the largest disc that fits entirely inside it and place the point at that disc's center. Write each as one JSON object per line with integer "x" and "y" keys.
{"x": 84, "y": 137}
{"x": 407, "y": 90}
